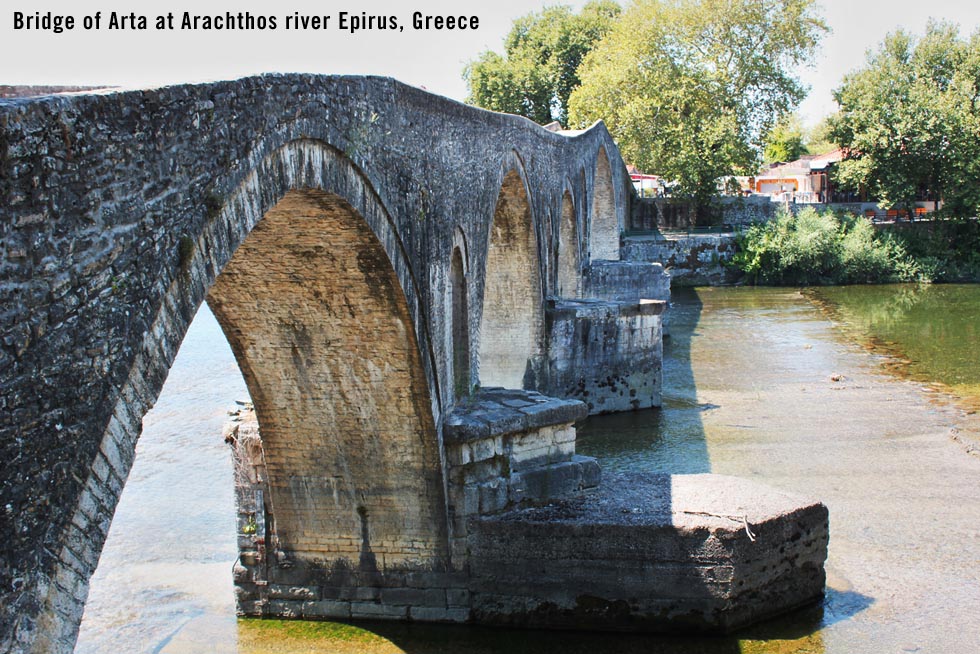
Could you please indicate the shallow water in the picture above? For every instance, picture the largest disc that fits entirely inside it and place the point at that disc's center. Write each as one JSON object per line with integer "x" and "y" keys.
{"x": 933, "y": 330}
{"x": 758, "y": 383}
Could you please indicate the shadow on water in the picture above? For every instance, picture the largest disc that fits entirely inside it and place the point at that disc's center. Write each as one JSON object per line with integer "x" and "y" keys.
{"x": 672, "y": 440}
{"x": 668, "y": 440}
{"x": 798, "y": 633}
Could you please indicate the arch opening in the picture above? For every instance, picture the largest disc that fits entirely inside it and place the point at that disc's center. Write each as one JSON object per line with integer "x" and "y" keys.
{"x": 604, "y": 226}
{"x": 569, "y": 267}
{"x": 512, "y": 322}
{"x": 317, "y": 320}
{"x": 460, "y": 326}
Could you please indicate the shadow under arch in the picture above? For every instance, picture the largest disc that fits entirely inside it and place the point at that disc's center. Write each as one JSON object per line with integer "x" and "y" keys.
{"x": 459, "y": 312}
{"x": 283, "y": 186}
{"x": 511, "y": 335}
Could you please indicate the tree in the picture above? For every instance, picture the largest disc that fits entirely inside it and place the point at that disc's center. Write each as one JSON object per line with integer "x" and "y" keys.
{"x": 819, "y": 139}
{"x": 689, "y": 88}
{"x": 909, "y": 120}
{"x": 538, "y": 71}
{"x": 786, "y": 140}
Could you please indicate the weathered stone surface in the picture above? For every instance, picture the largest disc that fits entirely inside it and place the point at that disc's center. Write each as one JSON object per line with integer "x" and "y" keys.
{"x": 658, "y": 552}
{"x": 689, "y": 259}
{"x": 501, "y": 411}
{"x": 606, "y": 354}
{"x": 627, "y": 281}
{"x": 373, "y": 254}
{"x": 121, "y": 209}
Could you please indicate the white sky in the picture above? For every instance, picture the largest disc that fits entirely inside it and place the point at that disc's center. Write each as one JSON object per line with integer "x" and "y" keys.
{"x": 430, "y": 59}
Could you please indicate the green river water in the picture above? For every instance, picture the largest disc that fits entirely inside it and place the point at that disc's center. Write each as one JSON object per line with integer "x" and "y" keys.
{"x": 842, "y": 394}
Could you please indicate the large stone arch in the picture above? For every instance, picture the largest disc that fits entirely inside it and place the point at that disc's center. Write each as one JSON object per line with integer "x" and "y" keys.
{"x": 512, "y": 323}
{"x": 604, "y": 223}
{"x": 318, "y": 322}
{"x": 569, "y": 277}
{"x": 308, "y": 199}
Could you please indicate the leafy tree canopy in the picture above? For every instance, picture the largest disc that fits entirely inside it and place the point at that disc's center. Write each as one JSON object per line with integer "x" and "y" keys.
{"x": 786, "y": 140}
{"x": 910, "y": 120}
{"x": 689, "y": 88}
{"x": 819, "y": 139}
{"x": 538, "y": 71}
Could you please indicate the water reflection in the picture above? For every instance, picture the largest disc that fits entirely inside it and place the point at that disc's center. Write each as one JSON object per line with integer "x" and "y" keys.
{"x": 932, "y": 331}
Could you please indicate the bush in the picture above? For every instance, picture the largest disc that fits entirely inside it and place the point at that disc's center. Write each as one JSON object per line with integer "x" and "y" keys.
{"x": 945, "y": 250}
{"x": 813, "y": 247}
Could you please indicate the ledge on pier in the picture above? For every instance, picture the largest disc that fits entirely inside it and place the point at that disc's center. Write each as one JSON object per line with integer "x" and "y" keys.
{"x": 507, "y": 448}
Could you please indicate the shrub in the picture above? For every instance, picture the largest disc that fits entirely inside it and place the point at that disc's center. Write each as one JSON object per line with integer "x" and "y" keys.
{"x": 813, "y": 247}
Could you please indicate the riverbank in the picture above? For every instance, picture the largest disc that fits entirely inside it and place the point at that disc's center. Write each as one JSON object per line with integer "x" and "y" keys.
{"x": 815, "y": 248}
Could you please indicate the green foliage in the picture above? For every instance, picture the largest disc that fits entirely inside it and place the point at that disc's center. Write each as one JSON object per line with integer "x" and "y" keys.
{"x": 689, "y": 88}
{"x": 814, "y": 247}
{"x": 539, "y": 69}
{"x": 785, "y": 141}
{"x": 819, "y": 139}
{"x": 911, "y": 120}
{"x": 945, "y": 250}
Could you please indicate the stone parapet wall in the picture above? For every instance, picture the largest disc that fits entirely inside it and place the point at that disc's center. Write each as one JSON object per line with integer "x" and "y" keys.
{"x": 651, "y": 214}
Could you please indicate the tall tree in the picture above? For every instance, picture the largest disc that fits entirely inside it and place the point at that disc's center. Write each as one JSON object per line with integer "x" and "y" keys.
{"x": 538, "y": 69}
{"x": 786, "y": 141}
{"x": 689, "y": 88}
{"x": 910, "y": 120}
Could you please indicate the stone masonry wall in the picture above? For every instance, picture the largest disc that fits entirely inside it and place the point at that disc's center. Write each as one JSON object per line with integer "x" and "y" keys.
{"x": 511, "y": 329}
{"x": 606, "y": 224}
{"x": 321, "y": 331}
{"x": 505, "y": 449}
{"x": 689, "y": 259}
{"x": 606, "y": 354}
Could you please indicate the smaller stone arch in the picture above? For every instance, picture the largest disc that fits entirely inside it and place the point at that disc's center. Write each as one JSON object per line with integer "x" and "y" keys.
{"x": 569, "y": 256}
{"x": 459, "y": 316}
{"x": 604, "y": 223}
{"x": 512, "y": 322}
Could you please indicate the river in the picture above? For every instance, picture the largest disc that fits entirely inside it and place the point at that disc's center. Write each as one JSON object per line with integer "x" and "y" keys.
{"x": 860, "y": 396}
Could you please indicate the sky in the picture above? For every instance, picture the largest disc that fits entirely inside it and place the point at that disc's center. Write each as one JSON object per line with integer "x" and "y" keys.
{"x": 431, "y": 59}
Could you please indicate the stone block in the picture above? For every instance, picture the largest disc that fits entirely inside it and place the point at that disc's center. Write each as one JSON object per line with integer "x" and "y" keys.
{"x": 457, "y": 597}
{"x": 284, "y": 608}
{"x": 289, "y": 592}
{"x": 434, "y": 614}
{"x": 371, "y": 610}
{"x": 327, "y": 609}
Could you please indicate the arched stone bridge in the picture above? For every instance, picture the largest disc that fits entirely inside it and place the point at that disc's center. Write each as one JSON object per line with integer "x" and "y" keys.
{"x": 378, "y": 258}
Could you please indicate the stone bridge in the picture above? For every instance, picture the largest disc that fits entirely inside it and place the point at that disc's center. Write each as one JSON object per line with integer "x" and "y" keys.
{"x": 422, "y": 297}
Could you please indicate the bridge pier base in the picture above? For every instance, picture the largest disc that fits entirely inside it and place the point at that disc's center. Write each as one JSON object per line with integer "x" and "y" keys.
{"x": 537, "y": 543}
